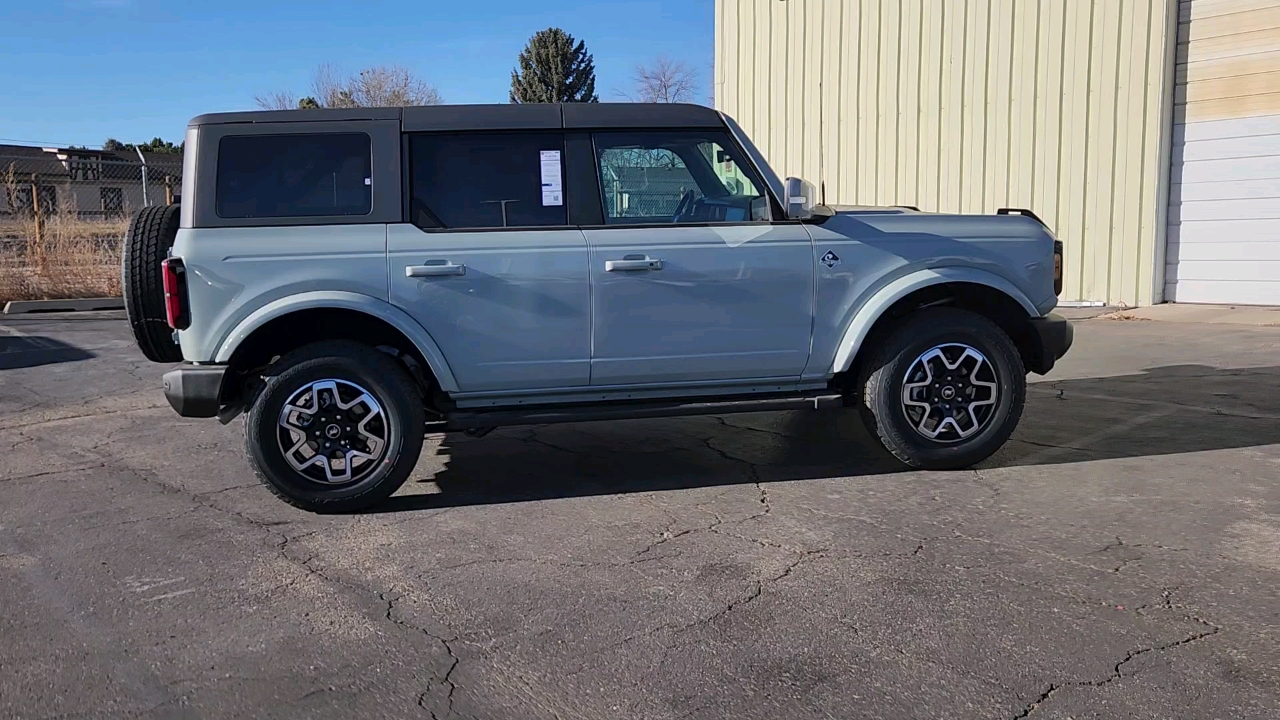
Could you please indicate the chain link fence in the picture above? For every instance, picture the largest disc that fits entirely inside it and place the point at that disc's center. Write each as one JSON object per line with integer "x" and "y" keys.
{"x": 647, "y": 198}
{"x": 64, "y": 212}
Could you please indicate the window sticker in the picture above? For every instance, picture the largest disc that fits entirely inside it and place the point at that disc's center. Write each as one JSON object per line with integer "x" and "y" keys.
{"x": 552, "y": 185}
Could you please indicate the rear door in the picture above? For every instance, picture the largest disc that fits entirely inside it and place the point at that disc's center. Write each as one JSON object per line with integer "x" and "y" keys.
{"x": 488, "y": 264}
{"x": 693, "y": 281}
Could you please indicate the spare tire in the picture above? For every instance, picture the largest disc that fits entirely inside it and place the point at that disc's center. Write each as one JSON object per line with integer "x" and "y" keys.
{"x": 146, "y": 245}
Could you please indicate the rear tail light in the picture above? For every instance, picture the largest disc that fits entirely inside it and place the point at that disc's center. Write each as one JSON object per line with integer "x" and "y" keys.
{"x": 1057, "y": 267}
{"x": 175, "y": 293}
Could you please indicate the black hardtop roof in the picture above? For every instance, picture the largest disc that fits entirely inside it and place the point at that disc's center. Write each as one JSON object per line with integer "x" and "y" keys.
{"x": 530, "y": 116}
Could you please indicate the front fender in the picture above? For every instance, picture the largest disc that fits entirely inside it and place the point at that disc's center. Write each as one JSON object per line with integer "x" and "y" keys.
{"x": 884, "y": 298}
{"x": 380, "y": 309}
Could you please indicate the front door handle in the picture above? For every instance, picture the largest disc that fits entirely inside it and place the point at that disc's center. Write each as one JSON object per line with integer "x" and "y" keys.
{"x": 439, "y": 269}
{"x": 633, "y": 262}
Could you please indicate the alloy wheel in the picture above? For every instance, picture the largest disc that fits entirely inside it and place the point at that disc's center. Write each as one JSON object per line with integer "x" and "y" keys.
{"x": 949, "y": 393}
{"x": 333, "y": 432}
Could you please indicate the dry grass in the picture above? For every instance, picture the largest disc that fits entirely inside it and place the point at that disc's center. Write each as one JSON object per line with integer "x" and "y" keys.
{"x": 1121, "y": 315}
{"x": 73, "y": 258}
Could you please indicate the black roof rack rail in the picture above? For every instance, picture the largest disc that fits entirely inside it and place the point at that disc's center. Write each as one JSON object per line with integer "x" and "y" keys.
{"x": 1021, "y": 211}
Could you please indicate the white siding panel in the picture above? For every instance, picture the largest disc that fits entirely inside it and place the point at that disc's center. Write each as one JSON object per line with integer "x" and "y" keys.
{"x": 1225, "y": 250}
{"x": 1226, "y": 190}
{"x": 1225, "y": 230}
{"x": 1248, "y": 271}
{"x": 1224, "y": 200}
{"x": 1234, "y": 209}
{"x": 1225, "y": 148}
{"x": 1225, "y": 291}
{"x": 1224, "y": 233}
{"x": 1231, "y": 128}
{"x": 1254, "y": 168}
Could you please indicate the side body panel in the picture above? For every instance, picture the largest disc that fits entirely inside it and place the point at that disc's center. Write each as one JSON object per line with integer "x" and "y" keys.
{"x": 232, "y": 272}
{"x": 862, "y": 262}
{"x": 727, "y": 303}
{"x": 517, "y": 317}
{"x": 328, "y": 299}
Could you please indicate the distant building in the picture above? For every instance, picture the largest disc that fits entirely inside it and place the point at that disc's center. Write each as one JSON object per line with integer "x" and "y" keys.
{"x": 1146, "y": 133}
{"x": 88, "y": 183}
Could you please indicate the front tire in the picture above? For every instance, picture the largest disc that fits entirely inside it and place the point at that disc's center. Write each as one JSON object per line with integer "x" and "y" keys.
{"x": 945, "y": 390}
{"x": 337, "y": 427}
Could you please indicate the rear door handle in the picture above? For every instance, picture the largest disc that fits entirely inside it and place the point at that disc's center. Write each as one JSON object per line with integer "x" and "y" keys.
{"x": 632, "y": 262}
{"x": 439, "y": 269}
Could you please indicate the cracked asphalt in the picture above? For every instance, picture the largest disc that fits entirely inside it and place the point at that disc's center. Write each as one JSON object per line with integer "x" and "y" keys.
{"x": 1118, "y": 559}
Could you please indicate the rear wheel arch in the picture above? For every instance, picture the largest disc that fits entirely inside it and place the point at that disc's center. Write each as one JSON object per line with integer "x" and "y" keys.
{"x": 273, "y": 338}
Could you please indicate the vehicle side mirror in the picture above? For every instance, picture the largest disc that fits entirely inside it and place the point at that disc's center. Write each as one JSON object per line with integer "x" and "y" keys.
{"x": 799, "y": 198}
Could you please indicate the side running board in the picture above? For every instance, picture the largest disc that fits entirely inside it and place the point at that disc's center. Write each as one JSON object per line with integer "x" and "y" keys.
{"x": 476, "y": 420}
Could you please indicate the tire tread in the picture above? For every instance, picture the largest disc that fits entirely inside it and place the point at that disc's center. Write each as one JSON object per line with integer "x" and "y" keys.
{"x": 146, "y": 244}
{"x": 377, "y": 363}
{"x": 877, "y": 376}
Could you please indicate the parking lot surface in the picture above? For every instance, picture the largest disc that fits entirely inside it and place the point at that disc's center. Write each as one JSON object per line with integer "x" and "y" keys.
{"x": 1119, "y": 558}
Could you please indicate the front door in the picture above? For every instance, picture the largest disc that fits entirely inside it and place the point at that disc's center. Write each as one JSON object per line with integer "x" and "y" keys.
{"x": 489, "y": 265}
{"x": 692, "y": 280}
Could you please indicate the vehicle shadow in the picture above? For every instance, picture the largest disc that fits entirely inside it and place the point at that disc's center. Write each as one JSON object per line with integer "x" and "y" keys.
{"x": 1163, "y": 411}
{"x": 32, "y": 351}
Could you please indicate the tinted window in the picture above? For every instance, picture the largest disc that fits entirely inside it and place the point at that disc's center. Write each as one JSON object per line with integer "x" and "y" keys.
{"x": 268, "y": 176}
{"x": 487, "y": 180}
{"x": 676, "y": 177}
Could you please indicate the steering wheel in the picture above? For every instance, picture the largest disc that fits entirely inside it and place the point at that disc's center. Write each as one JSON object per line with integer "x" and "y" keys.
{"x": 686, "y": 204}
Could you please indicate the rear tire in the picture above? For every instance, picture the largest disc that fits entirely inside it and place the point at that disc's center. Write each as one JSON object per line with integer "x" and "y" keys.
{"x": 376, "y": 420}
{"x": 146, "y": 245}
{"x": 945, "y": 390}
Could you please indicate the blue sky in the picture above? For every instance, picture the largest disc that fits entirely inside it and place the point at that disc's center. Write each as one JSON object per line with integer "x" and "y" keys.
{"x": 79, "y": 71}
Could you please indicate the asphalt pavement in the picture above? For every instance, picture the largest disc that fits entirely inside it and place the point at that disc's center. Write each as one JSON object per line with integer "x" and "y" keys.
{"x": 1118, "y": 559}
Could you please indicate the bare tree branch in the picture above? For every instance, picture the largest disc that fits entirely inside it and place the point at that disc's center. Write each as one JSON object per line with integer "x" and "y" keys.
{"x": 391, "y": 86}
{"x": 664, "y": 81}
{"x": 380, "y": 86}
{"x": 280, "y": 100}
{"x": 329, "y": 88}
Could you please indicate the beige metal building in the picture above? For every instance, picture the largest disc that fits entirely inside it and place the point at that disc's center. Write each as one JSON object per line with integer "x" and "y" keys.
{"x": 1145, "y": 132}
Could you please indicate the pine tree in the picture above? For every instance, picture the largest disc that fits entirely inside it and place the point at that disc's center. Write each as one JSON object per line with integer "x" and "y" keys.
{"x": 554, "y": 70}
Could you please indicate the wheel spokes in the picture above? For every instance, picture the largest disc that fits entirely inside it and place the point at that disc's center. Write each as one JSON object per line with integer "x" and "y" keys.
{"x": 333, "y": 431}
{"x": 949, "y": 392}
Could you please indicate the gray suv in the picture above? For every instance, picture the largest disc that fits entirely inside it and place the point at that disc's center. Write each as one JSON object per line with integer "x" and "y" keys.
{"x": 352, "y": 279}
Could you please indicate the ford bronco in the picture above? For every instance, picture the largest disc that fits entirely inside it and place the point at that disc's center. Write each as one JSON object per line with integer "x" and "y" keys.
{"x": 352, "y": 279}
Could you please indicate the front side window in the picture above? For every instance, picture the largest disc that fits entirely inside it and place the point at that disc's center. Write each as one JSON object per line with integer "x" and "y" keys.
{"x": 487, "y": 180}
{"x": 676, "y": 177}
{"x": 273, "y": 176}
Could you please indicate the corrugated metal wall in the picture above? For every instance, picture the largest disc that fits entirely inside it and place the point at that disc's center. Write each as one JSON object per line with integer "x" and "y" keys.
{"x": 1061, "y": 106}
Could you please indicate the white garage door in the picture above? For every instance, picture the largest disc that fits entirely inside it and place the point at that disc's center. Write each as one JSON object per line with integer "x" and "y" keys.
{"x": 1224, "y": 214}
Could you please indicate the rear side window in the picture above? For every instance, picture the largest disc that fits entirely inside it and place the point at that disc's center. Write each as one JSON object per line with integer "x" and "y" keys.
{"x": 273, "y": 176}
{"x": 487, "y": 180}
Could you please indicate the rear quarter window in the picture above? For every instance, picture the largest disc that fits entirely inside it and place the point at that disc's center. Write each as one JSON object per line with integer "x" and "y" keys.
{"x": 277, "y": 176}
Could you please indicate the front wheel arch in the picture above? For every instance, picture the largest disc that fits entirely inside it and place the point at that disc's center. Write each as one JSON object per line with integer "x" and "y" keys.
{"x": 997, "y": 306}
{"x": 887, "y": 304}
